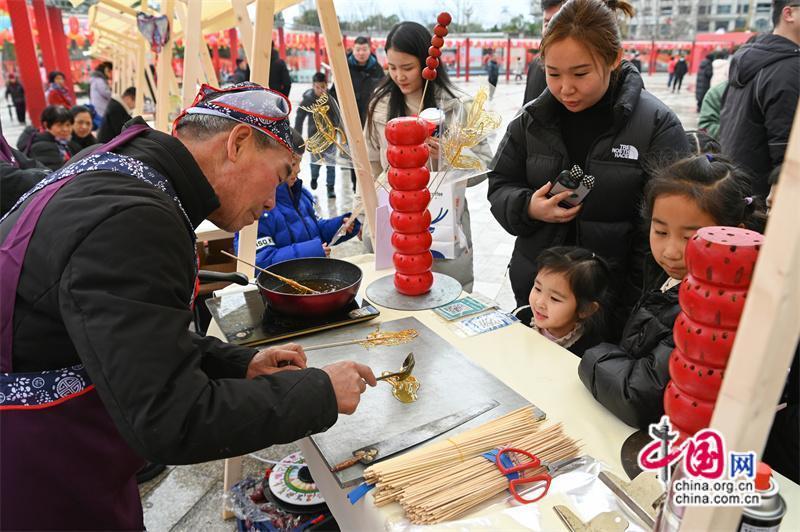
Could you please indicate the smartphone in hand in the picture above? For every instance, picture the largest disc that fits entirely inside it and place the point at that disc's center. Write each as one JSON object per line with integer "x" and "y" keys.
{"x": 574, "y": 181}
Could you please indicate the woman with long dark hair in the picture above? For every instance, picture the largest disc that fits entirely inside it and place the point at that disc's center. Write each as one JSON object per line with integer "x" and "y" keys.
{"x": 399, "y": 94}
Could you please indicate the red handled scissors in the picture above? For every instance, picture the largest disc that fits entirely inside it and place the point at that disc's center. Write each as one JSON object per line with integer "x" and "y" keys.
{"x": 507, "y": 464}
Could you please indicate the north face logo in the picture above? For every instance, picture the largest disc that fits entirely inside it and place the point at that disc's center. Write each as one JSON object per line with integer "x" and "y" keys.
{"x": 625, "y": 151}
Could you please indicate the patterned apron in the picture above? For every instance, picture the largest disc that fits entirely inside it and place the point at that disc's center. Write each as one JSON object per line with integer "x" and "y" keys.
{"x": 63, "y": 463}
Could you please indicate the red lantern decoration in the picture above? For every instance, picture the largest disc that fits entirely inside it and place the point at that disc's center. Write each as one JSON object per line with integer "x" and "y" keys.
{"x": 409, "y": 198}
{"x": 720, "y": 263}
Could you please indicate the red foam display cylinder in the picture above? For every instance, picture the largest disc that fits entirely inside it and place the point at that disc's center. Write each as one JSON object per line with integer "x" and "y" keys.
{"x": 709, "y": 304}
{"x": 703, "y": 343}
{"x": 413, "y": 285}
{"x": 407, "y": 156}
{"x": 412, "y": 242}
{"x": 689, "y": 413}
{"x": 410, "y": 222}
{"x": 408, "y": 178}
{"x": 412, "y": 264}
{"x": 724, "y": 256}
{"x": 409, "y": 200}
{"x": 699, "y": 380}
{"x": 406, "y": 131}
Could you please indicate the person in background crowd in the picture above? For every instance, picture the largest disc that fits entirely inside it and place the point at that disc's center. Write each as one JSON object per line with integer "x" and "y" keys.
{"x": 82, "y": 136}
{"x": 318, "y": 88}
{"x": 53, "y": 145}
{"x": 291, "y": 229}
{"x": 597, "y": 115}
{"x": 636, "y": 62}
{"x": 57, "y": 93}
{"x": 400, "y": 94}
{"x": 518, "y": 70}
{"x": 279, "y": 78}
{"x": 492, "y": 73}
{"x": 763, "y": 89}
{"x": 671, "y": 70}
{"x": 16, "y": 93}
{"x": 704, "y": 73}
{"x": 681, "y": 68}
{"x": 536, "y": 81}
{"x": 242, "y": 72}
{"x": 699, "y": 191}
{"x": 117, "y": 114}
{"x": 100, "y": 87}
{"x": 710, "y": 110}
{"x": 18, "y": 174}
{"x": 365, "y": 73}
{"x": 720, "y": 67}
{"x": 103, "y": 288}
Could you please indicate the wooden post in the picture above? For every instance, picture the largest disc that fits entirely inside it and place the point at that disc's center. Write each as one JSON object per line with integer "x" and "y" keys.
{"x": 163, "y": 70}
{"x": 141, "y": 66}
{"x": 765, "y": 341}
{"x": 349, "y": 109}
{"x": 192, "y": 38}
{"x": 317, "y": 58}
{"x": 458, "y": 59}
{"x": 45, "y": 36}
{"x": 233, "y": 39}
{"x": 245, "y": 29}
{"x": 259, "y": 56}
{"x": 466, "y": 61}
{"x": 508, "y": 59}
{"x": 26, "y": 59}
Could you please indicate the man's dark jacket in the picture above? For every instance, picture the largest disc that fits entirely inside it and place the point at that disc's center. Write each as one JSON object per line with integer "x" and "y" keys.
{"x": 115, "y": 118}
{"x": 536, "y": 82}
{"x": 365, "y": 78}
{"x": 17, "y": 178}
{"x": 759, "y": 105}
{"x": 107, "y": 281}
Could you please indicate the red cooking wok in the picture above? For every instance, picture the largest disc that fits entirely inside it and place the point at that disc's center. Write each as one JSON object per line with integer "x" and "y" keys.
{"x": 337, "y": 280}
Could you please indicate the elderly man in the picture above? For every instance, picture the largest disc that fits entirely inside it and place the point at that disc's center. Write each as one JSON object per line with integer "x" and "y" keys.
{"x": 98, "y": 368}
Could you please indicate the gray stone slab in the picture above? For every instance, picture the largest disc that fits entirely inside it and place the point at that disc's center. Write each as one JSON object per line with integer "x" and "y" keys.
{"x": 449, "y": 383}
{"x": 174, "y": 497}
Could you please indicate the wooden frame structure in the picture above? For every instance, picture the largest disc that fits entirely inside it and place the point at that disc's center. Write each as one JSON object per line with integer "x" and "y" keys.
{"x": 770, "y": 325}
{"x": 119, "y": 40}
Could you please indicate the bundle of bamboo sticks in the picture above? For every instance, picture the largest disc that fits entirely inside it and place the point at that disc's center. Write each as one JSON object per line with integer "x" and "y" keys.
{"x": 445, "y": 480}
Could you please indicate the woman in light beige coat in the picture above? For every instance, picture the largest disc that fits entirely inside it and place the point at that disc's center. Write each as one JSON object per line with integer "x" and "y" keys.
{"x": 399, "y": 95}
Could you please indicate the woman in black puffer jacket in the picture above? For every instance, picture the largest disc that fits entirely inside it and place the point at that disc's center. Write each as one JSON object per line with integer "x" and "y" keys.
{"x": 595, "y": 114}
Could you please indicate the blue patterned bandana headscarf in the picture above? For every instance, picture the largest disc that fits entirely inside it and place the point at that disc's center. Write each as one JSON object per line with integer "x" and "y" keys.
{"x": 260, "y": 108}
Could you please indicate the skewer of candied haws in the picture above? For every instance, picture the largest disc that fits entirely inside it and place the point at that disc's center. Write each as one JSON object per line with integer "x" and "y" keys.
{"x": 429, "y": 73}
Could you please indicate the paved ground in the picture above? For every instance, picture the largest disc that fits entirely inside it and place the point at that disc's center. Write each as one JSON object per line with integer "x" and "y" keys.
{"x": 190, "y": 497}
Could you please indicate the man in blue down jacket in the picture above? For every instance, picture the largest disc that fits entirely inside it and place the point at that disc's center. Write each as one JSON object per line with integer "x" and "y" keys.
{"x": 292, "y": 230}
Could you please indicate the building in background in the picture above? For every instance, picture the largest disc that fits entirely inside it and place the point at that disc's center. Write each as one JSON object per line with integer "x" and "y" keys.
{"x": 682, "y": 19}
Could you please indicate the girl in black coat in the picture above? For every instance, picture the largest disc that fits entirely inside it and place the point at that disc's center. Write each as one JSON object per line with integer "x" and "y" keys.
{"x": 595, "y": 113}
{"x": 567, "y": 300}
{"x": 703, "y": 190}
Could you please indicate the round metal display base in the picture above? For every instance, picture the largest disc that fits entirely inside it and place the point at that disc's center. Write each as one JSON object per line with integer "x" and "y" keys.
{"x": 445, "y": 289}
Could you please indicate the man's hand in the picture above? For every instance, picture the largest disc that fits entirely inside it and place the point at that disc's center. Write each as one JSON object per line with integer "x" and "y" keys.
{"x": 275, "y": 359}
{"x": 327, "y": 249}
{"x": 349, "y": 380}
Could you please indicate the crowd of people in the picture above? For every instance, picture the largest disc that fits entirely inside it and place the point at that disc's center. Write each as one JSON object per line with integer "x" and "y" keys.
{"x": 600, "y": 277}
